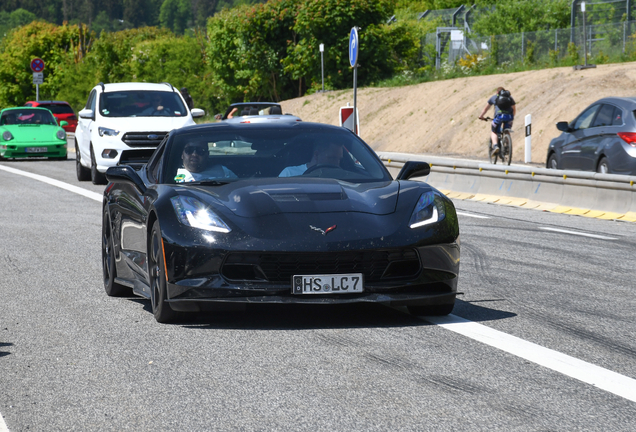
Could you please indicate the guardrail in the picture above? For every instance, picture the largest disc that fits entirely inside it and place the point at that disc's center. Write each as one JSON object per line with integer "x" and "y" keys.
{"x": 606, "y": 196}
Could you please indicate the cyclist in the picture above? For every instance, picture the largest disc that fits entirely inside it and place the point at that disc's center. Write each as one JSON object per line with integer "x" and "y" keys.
{"x": 505, "y": 110}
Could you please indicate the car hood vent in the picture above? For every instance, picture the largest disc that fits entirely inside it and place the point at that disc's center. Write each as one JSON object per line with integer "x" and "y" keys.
{"x": 248, "y": 200}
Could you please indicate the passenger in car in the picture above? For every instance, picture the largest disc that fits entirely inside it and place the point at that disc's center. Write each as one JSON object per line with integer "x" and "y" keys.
{"x": 324, "y": 154}
{"x": 196, "y": 167}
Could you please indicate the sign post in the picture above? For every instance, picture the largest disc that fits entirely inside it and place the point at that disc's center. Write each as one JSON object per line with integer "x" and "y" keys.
{"x": 37, "y": 66}
{"x": 528, "y": 147}
{"x": 354, "y": 49}
{"x": 585, "y": 39}
{"x": 322, "y": 65}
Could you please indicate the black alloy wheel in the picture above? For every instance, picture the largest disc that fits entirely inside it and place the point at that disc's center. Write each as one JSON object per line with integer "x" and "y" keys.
{"x": 83, "y": 174}
{"x": 603, "y": 166}
{"x": 112, "y": 288}
{"x": 96, "y": 177}
{"x": 506, "y": 147}
{"x": 157, "y": 274}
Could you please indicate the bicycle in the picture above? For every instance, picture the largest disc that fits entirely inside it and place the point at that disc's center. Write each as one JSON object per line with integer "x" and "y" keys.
{"x": 504, "y": 139}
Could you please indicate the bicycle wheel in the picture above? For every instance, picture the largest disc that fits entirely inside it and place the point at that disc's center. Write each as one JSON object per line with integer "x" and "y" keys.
{"x": 506, "y": 147}
{"x": 493, "y": 158}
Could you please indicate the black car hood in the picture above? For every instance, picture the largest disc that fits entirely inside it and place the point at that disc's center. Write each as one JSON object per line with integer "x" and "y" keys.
{"x": 249, "y": 199}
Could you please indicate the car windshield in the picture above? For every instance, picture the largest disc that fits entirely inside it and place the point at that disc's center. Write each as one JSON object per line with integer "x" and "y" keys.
{"x": 58, "y": 108}
{"x": 232, "y": 154}
{"x": 27, "y": 116}
{"x": 141, "y": 104}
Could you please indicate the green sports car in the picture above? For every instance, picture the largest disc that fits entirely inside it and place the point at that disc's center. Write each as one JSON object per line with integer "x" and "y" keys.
{"x": 31, "y": 132}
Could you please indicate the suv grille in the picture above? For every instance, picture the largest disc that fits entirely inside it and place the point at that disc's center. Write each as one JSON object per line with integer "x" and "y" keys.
{"x": 280, "y": 267}
{"x": 143, "y": 139}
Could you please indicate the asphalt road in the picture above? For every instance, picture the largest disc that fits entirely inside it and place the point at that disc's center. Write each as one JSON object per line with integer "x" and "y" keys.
{"x": 541, "y": 339}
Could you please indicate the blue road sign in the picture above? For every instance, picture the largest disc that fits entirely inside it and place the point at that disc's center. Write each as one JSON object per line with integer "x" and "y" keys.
{"x": 354, "y": 47}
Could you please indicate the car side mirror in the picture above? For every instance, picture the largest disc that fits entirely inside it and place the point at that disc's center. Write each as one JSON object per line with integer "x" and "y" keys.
{"x": 126, "y": 174}
{"x": 563, "y": 126}
{"x": 87, "y": 114}
{"x": 414, "y": 169}
{"x": 63, "y": 123}
{"x": 197, "y": 112}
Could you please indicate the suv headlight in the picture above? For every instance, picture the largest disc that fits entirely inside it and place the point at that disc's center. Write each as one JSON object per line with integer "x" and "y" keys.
{"x": 6, "y": 135}
{"x": 61, "y": 134}
{"x": 106, "y": 131}
{"x": 194, "y": 213}
{"x": 428, "y": 210}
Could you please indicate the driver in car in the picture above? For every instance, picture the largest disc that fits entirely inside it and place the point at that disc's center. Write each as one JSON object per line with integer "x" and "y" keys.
{"x": 324, "y": 154}
{"x": 195, "y": 165}
{"x": 156, "y": 106}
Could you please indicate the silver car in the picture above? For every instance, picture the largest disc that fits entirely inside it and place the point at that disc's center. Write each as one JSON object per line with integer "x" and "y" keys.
{"x": 602, "y": 138}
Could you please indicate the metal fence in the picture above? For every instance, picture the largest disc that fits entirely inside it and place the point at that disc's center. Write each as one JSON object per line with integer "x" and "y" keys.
{"x": 604, "y": 42}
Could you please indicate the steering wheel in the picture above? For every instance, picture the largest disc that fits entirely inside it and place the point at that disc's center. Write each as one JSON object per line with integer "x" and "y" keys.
{"x": 165, "y": 110}
{"x": 319, "y": 166}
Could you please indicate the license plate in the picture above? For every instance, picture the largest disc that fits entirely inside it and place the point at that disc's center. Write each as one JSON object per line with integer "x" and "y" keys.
{"x": 327, "y": 284}
{"x": 36, "y": 149}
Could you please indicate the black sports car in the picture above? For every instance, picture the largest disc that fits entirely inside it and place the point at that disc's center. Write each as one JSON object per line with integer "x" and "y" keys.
{"x": 276, "y": 213}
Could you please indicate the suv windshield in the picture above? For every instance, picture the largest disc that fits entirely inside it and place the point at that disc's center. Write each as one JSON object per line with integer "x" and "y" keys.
{"x": 27, "y": 116}
{"x": 247, "y": 153}
{"x": 141, "y": 104}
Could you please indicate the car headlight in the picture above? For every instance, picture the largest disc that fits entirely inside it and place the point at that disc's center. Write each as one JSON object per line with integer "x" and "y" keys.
{"x": 106, "y": 131}
{"x": 428, "y": 210}
{"x": 61, "y": 134}
{"x": 6, "y": 135}
{"x": 194, "y": 213}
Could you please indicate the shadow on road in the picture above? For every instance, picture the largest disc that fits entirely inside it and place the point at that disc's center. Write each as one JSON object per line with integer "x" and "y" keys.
{"x": 303, "y": 317}
{"x": 5, "y": 344}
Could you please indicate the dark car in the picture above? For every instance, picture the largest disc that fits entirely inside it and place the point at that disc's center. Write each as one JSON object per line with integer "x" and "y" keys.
{"x": 601, "y": 139}
{"x": 61, "y": 110}
{"x": 276, "y": 213}
{"x": 262, "y": 109}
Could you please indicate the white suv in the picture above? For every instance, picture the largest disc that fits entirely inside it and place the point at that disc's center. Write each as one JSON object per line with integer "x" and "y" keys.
{"x": 126, "y": 118}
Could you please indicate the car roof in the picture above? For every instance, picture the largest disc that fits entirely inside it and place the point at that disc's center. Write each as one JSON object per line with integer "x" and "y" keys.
{"x": 626, "y": 102}
{"x": 268, "y": 125}
{"x": 239, "y": 104}
{"x": 111, "y": 87}
{"x": 23, "y": 108}
{"x": 45, "y": 102}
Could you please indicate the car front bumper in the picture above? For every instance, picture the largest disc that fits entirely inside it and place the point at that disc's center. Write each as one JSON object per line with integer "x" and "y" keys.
{"x": 433, "y": 282}
{"x": 10, "y": 149}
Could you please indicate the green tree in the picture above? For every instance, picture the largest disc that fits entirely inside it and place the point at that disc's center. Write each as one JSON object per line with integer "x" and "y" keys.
{"x": 515, "y": 16}
{"x": 54, "y": 44}
{"x": 176, "y": 15}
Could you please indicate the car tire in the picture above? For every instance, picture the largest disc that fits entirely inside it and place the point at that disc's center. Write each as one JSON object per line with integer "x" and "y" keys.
{"x": 433, "y": 310}
{"x": 109, "y": 270}
{"x": 552, "y": 162}
{"x": 157, "y": 277}
{"x": 506, "y": 147}
{"x": 603, "y": 166}
{"x": 96, "y": 177}
{"x": 83, "y": 174}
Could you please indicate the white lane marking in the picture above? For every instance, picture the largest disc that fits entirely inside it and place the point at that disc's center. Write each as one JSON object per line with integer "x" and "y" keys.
{"x": 597, "y": 376}
{"x": 473, "y": 215}
{"x": 578, "y": 233}
{"x": 69, "y": 187}
{"x": 3, "y": 425}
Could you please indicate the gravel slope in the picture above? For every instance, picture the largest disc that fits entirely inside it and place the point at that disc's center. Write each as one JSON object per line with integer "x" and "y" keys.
{"x": 441, "y": 117}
